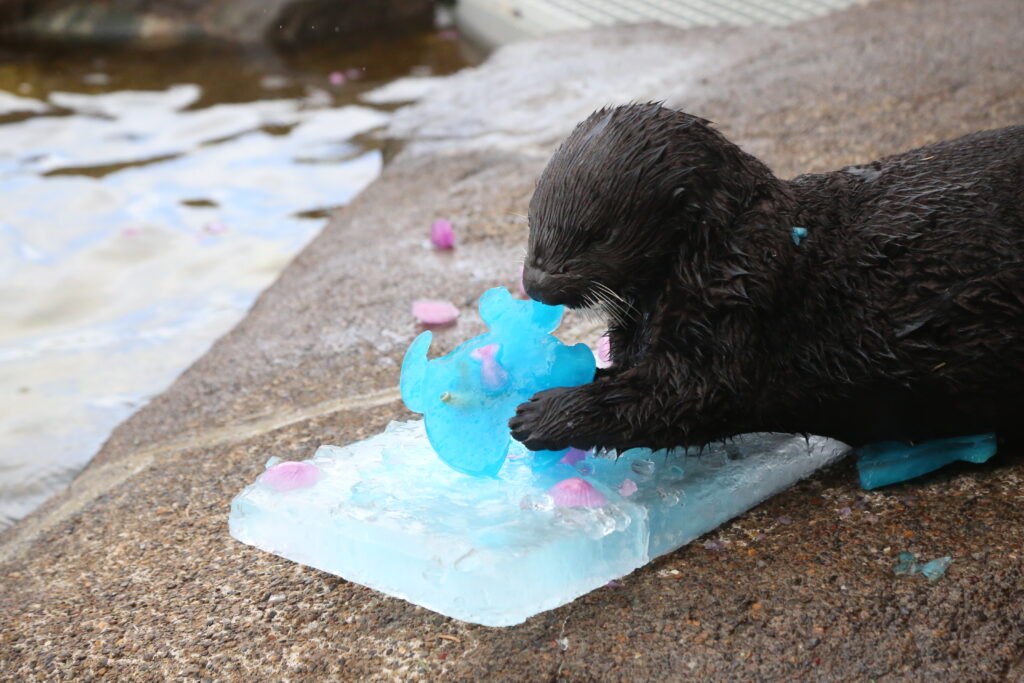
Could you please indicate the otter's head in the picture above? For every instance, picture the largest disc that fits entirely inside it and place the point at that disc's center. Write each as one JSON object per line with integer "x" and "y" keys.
{"x": 631, "y": 191}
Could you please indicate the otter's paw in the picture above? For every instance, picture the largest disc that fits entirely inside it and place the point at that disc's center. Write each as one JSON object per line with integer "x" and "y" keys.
{"x": 541, "y": 423}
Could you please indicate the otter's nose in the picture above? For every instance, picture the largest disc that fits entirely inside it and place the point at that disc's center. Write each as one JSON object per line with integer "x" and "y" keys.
{"x": 537, "y": 283}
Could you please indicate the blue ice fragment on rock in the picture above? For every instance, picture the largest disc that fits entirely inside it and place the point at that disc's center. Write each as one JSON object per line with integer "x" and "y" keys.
{"x": 387, "y": 513}
{"x": 936, "y": 568}
{"x": 797, "y": 234}
{"x": 468, "y": 396}
{"x": 908, "y": 565}
{"x": 890, "y": 462}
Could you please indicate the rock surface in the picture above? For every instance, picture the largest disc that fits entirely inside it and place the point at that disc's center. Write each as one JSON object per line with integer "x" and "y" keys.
{"x": 130, "y": 571}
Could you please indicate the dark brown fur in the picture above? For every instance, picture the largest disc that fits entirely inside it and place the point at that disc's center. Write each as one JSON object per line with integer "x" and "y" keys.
{"x": 899, "y": 316}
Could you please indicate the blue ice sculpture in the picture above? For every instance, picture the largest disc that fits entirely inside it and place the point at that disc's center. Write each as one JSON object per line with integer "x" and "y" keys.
{"x": 890, "y": 462}
{"x": 468, "y": 396}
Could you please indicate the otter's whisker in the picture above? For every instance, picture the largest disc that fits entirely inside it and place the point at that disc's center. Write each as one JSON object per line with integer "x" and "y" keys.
{"x": 610, "y": 307}
{"x": 619, "y": 308}
{"x": 627, "y": 306}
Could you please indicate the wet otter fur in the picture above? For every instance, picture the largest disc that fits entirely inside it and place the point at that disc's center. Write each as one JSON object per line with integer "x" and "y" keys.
{"x": 899, "y": 316}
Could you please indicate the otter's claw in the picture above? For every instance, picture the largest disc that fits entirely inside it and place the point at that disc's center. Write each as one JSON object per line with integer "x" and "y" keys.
{"x": 540, "y": 424}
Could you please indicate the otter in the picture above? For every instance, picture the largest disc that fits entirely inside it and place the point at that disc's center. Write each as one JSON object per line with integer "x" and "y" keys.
{"x": 880, "y": 302}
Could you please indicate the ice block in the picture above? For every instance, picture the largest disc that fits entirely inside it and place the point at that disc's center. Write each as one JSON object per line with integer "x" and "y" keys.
{"x": 890, "y": 462}
{"x": 387, "y": 513}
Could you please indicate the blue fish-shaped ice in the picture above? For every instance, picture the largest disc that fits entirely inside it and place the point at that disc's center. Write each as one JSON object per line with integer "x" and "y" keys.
{"x": 468, "y": 396}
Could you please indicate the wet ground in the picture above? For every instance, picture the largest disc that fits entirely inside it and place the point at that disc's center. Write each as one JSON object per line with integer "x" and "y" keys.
{"x": 130, "y": 572}
{"x": 148, "y": 198}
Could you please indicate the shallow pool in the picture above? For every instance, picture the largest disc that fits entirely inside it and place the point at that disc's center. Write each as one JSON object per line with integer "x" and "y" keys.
{"x": 148, "y": 197}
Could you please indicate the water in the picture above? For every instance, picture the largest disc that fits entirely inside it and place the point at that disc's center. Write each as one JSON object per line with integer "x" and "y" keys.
{"x": 148, "y": 199}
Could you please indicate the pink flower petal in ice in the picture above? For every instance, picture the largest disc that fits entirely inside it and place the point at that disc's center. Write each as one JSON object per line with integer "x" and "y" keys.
{"x": 336, "y": 78}
{"x": 286, "y": 476}
{"x": 573, "y": 456}
{"x": 442, "y": 236}
{"x": 434, "y": 311}
{"x": 604, "y": 352}
{"x": 627, "y": 488}
{"x": 492, "y": 375}
{"x": 576, "y": 492}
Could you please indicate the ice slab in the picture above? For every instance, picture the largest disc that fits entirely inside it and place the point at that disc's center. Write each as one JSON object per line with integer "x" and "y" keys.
{"x": 890, "y": 462}
{"x": 387, "y": 513}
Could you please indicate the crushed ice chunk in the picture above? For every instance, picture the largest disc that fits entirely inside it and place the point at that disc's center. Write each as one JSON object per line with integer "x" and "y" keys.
{"x": 907, "y": 565}
{"x": 936, "y": 568}
{"x": 890, "y": 462}
{"x": 642, "y": 467}
{"x": 798, "y": 234}
{"x": 468, "y": 396}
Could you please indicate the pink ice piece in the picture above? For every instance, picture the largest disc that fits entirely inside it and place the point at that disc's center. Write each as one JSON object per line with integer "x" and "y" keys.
{"x": 576, "y": 492}
{"x": 434, "y": 311}
{"x": 573, "y": 456}
{"x": 492, "y": 374}
{"x": 216, "y": 228}
{"x": 287, "y": 476}
{"x": 336, "y": 78}
{"x": 627, "y": 488}
{"x": 442, "y": 236}
{"x": 604, "y": 352}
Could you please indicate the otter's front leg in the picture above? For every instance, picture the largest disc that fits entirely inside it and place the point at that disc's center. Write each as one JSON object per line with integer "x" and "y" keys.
{"x": 621, "y": 410}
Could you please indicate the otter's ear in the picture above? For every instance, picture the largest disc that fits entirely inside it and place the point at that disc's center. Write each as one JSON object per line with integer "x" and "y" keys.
{"x": 680, "y": 181}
